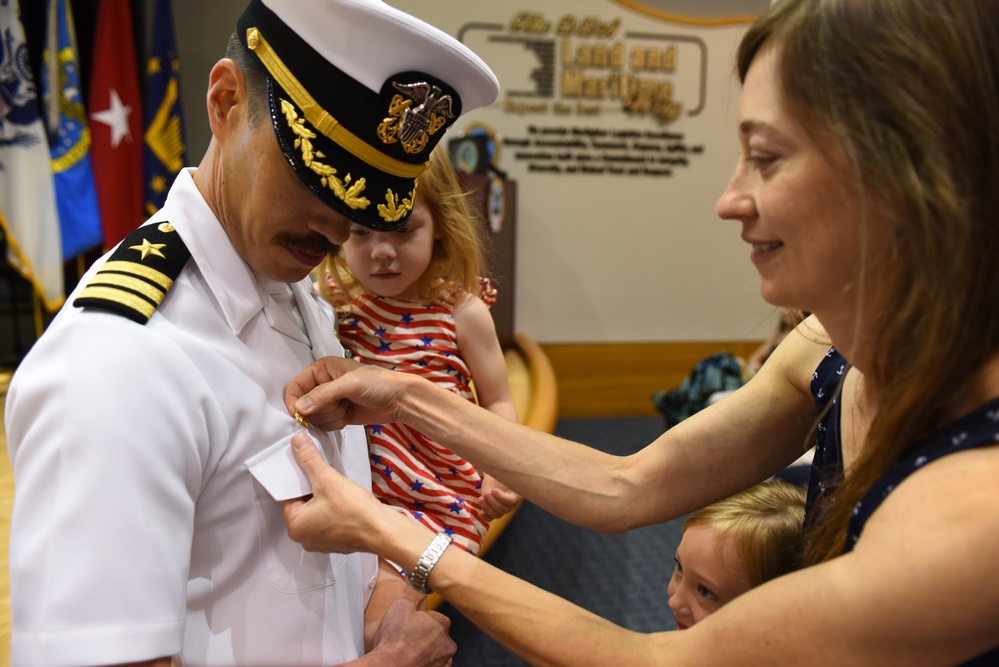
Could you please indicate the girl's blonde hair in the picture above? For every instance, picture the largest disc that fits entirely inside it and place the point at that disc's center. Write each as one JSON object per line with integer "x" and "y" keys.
{"x": 765, "y": 522}
{"x": 910, "y": 90}
{"x": 458, "y": 259}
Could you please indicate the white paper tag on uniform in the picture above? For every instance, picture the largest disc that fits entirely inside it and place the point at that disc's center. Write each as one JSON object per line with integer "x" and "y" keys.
{"x": 278, "y": 471}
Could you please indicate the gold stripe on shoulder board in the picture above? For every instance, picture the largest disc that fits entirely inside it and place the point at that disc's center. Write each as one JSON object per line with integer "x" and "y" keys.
{"x": 137, "y": 276}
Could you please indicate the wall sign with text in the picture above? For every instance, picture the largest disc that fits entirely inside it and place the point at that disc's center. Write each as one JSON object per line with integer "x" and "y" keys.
{"x": 595, "y": 96}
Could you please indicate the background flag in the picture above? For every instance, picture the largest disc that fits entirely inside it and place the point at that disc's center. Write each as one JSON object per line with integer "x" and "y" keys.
{"x": 69, "y": 135}
{"x": 27, "y": 195}
{"x": 165, "y": 152}
{"x": 116, "y": 122}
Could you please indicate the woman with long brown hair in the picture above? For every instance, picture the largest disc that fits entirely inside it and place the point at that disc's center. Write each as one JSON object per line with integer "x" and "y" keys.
{"x": 867, "y": 191}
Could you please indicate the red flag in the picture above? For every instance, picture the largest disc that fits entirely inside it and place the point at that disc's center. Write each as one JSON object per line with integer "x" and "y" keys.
{"x": 116, "y": 122}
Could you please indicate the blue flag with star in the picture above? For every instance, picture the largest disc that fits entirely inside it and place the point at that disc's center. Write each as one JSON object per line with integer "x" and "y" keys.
{"x": 69, "y": 135}
{"x": 165, "y": 150}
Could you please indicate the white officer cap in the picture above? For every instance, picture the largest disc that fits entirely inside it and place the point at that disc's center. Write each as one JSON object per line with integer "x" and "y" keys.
{"x": 359, "y": 94}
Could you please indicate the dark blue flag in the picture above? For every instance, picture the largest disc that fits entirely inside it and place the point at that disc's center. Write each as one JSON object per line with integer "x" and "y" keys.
{"x": 165, "y": 151}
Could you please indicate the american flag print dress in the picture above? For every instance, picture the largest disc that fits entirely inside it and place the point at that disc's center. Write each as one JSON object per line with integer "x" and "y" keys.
{"x": 408, "y": 470}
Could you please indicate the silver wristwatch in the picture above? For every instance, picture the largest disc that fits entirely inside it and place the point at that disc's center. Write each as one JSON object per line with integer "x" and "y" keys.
{"x": 418, "y": 577}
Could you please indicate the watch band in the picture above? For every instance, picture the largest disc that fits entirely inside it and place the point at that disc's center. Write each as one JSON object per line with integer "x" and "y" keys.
{"x": 418, "y": 577}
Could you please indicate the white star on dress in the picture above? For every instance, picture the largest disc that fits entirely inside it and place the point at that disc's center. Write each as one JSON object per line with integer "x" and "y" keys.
{"x": 116, "y": 117}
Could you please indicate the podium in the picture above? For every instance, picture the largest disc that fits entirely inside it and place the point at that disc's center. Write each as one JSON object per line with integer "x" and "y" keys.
{"x": 493, "y": 200}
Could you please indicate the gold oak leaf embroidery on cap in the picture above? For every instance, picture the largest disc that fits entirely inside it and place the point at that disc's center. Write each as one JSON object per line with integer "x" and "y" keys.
{"x": 392, "y": 211}
{"x": 343, "y": 189}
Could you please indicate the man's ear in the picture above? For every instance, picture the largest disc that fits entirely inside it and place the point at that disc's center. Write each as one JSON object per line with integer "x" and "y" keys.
{"x": 226, "y": 96}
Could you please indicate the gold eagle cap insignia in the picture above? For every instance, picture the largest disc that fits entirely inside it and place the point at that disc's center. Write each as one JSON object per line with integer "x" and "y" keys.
{"x": 420, "y": 111}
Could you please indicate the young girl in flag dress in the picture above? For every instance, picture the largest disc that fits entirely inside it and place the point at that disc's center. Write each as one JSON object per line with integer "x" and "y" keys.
{"x": 413, "y": 300}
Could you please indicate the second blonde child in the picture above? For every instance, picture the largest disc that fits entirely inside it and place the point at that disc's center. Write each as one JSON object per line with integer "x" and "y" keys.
{"x": 736, "y": 544}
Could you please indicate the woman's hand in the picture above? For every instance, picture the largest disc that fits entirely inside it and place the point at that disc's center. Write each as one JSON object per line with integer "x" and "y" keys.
{"x": 339, "y": 516}
{"x": 334, "y": 392}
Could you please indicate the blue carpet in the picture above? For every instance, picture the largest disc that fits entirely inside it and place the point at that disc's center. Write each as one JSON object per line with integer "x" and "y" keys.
{"x": 622, "y": 578}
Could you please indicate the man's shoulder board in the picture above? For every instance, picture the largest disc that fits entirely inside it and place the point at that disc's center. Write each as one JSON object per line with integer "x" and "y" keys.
{"x": 137, "y": 276}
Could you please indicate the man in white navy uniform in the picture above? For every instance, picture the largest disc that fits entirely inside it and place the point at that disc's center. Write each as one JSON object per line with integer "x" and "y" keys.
{"x": 147, "y": 427}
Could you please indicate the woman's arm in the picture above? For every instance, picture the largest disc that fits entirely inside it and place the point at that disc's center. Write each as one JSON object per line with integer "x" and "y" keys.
{"x": 725, "y": 448}
{"x": 919, "y": 588}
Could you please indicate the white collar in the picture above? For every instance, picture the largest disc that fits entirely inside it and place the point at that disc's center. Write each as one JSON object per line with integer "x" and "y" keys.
{"x": 231, "y": 280}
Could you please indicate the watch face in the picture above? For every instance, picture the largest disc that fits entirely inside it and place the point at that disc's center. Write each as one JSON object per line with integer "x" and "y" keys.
{"x": 466, "y": 156}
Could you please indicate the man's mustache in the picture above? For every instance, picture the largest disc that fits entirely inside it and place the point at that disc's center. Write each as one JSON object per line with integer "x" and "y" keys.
{"x": 311, "y": 244}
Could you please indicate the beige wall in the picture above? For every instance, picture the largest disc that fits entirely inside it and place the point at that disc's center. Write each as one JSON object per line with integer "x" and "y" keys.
{"x": 599, "y": 258}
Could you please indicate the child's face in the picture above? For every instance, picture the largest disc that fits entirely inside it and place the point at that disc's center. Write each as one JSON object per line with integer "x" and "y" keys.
{"x": 391, "y": 263}
{"x": 708, "y": 574}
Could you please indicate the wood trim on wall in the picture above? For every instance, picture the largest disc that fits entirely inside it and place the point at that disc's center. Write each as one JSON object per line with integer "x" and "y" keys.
{"x": 618, "y": 379}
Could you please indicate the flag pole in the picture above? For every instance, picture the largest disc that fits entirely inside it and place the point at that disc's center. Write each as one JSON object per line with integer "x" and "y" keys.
{"x": 37, "y": 302}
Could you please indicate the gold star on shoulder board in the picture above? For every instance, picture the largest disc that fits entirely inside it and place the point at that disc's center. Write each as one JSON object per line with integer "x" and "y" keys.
{"x": 147, "y": 248}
